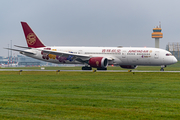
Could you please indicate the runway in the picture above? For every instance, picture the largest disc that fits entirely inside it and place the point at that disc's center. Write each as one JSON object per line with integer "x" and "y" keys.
{"x": 84, "y": 70}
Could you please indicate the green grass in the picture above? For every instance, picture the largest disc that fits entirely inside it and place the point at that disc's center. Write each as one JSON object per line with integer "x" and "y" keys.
{"x": 174, "y": 67}
{"x": 88, "y": 95}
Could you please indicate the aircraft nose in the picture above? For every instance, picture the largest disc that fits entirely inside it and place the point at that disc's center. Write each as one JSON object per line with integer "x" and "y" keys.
{"x": 174, "y": 60}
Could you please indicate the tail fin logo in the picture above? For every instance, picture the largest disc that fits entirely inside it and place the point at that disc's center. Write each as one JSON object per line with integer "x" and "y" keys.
{"x": 31, "y": 39}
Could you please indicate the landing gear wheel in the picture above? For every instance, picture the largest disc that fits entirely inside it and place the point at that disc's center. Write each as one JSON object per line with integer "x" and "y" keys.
{"x": 86, "y": 68}
{"x": 101, "y": 68}
{"x": 162, "y": 69}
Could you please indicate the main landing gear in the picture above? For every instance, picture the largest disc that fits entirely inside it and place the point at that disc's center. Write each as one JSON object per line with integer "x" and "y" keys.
{"x": 90, "y": 68}
{"x": 86, "y": 68}
{"x": 101, "y": 68}
{"x": 162, "y": 67}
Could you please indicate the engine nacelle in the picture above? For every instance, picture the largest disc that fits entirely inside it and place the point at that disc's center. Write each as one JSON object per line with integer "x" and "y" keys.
{"x": 129, "y": 66}
{"x": 98, "y": 62}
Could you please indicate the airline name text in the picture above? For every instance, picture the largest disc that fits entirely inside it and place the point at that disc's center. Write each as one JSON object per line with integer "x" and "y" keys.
{"x": 111, "y": 50}
{"x": 138, "y": 51}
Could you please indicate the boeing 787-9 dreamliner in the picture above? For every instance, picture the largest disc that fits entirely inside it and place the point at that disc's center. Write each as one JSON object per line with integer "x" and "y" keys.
{"x": 97, "y": 57}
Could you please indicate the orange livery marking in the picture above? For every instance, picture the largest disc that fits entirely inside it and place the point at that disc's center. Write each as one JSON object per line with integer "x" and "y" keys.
{"x": 97, "y": 63}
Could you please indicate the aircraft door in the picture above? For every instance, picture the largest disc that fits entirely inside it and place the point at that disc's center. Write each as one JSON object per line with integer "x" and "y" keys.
{"x": 157, "y": 58}
{"x": 80, "y": 52}
{"x": 124, "y": 57}
{"x": 156, "y": 54}
{"x": 123, "y": 54}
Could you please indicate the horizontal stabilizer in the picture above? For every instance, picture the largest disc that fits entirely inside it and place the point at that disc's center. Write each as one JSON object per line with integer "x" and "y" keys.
{"x": 21, "y": 51}
{"x": 22, "y": 47}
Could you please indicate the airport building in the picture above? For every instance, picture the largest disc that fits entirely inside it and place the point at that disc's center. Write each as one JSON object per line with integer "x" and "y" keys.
{"x": 27, "y": 61}
{"x": 174, "y": 48}
{"x": 24, "y": 61}
{"x": 21, "y": 60}
{"x": 3, "y": 60}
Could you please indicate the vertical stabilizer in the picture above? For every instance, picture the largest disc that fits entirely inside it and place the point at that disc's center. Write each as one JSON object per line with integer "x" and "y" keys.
{"x": 32, "y": 40}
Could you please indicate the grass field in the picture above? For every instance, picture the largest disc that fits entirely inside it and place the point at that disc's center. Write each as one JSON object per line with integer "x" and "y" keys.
{"x": 88, "y": 95}
{"x": 174, "y": 67}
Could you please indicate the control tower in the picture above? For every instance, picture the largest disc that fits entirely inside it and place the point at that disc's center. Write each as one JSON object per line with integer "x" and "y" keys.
{"x": 157, "y": 34}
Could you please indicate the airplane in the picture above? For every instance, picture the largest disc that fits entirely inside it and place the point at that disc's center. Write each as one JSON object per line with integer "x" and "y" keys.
{"x": 96, "y": 57}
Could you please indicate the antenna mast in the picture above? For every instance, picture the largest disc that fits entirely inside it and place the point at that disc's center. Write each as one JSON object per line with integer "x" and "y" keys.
{"x": 159, "y": 24}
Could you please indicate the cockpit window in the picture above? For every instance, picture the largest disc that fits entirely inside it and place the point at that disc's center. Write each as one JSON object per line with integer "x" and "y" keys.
{"x": 168, "y": 54}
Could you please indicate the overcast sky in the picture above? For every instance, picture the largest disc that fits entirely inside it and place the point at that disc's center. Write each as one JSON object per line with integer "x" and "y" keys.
{"x": 89, "y": 22}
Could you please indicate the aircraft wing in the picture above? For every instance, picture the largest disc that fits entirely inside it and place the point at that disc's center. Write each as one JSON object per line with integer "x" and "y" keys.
{"x": 78, "y": 57}
{"x": 21, "y": 51}
{"x": 74, "y": 56}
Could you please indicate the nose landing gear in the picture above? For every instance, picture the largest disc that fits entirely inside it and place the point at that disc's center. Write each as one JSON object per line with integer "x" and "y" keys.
{"x": 162, "y": 67}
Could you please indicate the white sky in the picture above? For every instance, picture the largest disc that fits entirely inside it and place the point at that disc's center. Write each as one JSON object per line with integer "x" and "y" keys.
{"x": 89, "y": 22}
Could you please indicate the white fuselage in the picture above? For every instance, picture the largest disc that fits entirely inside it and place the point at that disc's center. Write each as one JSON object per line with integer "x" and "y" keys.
{"x": 115, "y": 55}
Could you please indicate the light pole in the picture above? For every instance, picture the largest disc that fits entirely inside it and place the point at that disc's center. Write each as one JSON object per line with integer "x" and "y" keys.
{"x": 11, "y": 53}
{"x": 8, "y": 55}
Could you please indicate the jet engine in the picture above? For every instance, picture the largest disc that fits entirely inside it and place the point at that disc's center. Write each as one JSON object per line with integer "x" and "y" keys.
{"x": 98, "y": 62}
{"x": 129, "y": 66}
